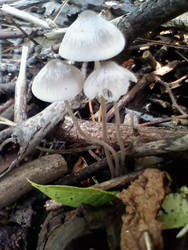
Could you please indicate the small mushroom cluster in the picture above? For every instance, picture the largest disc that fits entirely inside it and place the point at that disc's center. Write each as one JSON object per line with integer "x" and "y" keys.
{"x": 89, "y": 38}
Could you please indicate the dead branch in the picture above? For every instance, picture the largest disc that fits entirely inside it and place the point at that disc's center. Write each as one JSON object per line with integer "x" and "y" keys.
{"x": 148, "y": 141}
{"x": 149, "y": 16}
{"x": 177, "y": 144}
{"x": 42, "y": 170}
{"x": 29, "y": 133}
{"x": 68, "y": 132}
{"x": 145, "y": 81}
{"x": 20, "y": 105}
{"x": 118, "y": 182}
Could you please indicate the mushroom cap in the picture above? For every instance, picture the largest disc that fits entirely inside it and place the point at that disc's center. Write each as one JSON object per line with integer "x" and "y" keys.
{"x": 91, "y": 38}
{"x": 110, "y": 81}
{"x": 57, "y": 81}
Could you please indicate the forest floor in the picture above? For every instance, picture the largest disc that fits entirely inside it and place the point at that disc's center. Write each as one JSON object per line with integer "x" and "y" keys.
{"x": 49, "y": 150}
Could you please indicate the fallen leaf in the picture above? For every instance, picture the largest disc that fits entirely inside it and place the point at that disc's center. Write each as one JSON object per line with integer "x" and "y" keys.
{"x": 142, "y": 200}
{"x": 74, "y": 196}
{"x": 174, "y": 212}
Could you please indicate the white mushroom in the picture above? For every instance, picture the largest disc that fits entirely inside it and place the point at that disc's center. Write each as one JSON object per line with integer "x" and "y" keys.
{"x": 110, "y": 82}
{"x": 57, "y": 81}
{"x": 91, "y": 38}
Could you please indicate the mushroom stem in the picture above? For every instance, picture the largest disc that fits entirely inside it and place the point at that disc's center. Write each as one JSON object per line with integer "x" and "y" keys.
{"x": 89, "y": 139}
{"x": 120, "y": 142}
{"x": 97, "y": 65}
{"x": 104, "y": 126}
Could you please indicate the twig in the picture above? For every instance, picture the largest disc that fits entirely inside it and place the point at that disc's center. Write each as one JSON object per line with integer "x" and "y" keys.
{"x": 55, "y": 33}
{"x": 173, "y": 99}
{"x": 163, "y": 120}
{"x": 8, "y": 34}
{"x": 20, "y": 28}
{"x": 60, "y": 10}
{"x": 20, "y": 91}
{"x": 118, "y": 182}
{"x": 5, "y": 105}
{"x": 67, "y": 151}
{"x": 162, "y": 43}
{"x": 149, "y": 58}
{"x": 42, "y": 170}
{"x": 24, "y": 16}
{"x": 177, "y": 82}
{"x": 5, "y": 121}
{"x": 180, "y": 54}
{"x": 142, "y": 83}
{"x": 76, "y": 177}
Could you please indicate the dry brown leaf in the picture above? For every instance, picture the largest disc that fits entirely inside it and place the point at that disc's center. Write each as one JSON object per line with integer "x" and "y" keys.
{"x": 80, "y": 164}
{"x": 143, "y": 199}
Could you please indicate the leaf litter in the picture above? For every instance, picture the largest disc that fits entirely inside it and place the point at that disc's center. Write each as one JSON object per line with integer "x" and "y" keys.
{"x": 142, "y": 201}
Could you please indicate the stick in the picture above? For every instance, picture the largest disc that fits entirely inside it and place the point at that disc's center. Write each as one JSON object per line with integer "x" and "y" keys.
{"x": 24, "y": 16}
{"x": 20, "y": 91}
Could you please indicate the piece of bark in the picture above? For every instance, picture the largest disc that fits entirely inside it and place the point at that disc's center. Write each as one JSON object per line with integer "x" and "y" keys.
{"x": 149, "y": 16}
{"x": 68, "y": 132}
{"x": 42, "y": 170}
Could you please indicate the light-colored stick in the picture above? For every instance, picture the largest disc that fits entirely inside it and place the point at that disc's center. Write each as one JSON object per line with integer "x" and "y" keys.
{"x": 20, "y": 90}
{"x": 42, "y": 170}
{"x": 24, "y": 16}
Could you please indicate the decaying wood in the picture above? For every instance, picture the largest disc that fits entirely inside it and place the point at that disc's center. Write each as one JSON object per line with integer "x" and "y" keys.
{"x": 118, "y": 182}
{"x": 43, "y": 170}
{"x": 170, "y": 145}
{"x": 68, "y": 132}
{"x": 20, "y": 105}
{"x": 149, "y": 16}
{"x": 76, "y": 177}
{"x": 29, "y": 133}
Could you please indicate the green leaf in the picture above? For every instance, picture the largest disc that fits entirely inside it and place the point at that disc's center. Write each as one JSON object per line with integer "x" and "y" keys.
{"x": 74, "y": 196}
{"x": 174, "y": 212}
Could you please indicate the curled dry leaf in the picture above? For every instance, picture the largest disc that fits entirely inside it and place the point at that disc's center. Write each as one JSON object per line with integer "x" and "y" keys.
{"x": 143, "y": 199}
{"x": 80, "y": 164}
